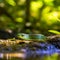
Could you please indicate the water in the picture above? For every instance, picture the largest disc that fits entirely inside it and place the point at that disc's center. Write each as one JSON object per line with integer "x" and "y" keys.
{"x": 51, "y": 53}
{"x": 21, "y": 56}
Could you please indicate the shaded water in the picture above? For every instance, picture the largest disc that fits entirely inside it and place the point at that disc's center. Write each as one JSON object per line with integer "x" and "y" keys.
{"x": 26, "y": 54}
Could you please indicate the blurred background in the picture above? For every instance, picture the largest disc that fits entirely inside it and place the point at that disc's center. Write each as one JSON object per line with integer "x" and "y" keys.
{"x": 30, "y": 16}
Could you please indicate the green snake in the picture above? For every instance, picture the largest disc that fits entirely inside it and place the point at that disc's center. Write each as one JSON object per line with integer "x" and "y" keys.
{"x": 37, "y": 37}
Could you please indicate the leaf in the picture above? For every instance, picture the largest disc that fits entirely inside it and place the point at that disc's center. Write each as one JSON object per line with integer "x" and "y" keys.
{"x": 54, "y": 31}
{"x": 11, "y": 2}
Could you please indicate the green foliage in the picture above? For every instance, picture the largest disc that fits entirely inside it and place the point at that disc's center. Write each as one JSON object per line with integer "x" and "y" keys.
{"x": 1, "y": 1}
{"x": 54, "y": 31}
{"x": 43, "y": 15}
{"x": 11, "y": 2}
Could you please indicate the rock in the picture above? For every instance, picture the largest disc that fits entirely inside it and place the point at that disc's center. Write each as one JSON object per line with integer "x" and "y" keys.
{"x": 6, "y": 35}
{"x": 55, "y": 41}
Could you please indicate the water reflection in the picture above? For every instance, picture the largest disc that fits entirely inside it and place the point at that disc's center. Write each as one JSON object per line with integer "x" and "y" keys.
{"x": 9, "y": 56}
{"x": 40, "y": 51}
{"x": 27, "y": 54}
{"x": 21, "y": 56}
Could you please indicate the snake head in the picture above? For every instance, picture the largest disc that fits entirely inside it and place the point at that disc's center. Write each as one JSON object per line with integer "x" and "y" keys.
{"x": 23, "y": 36}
